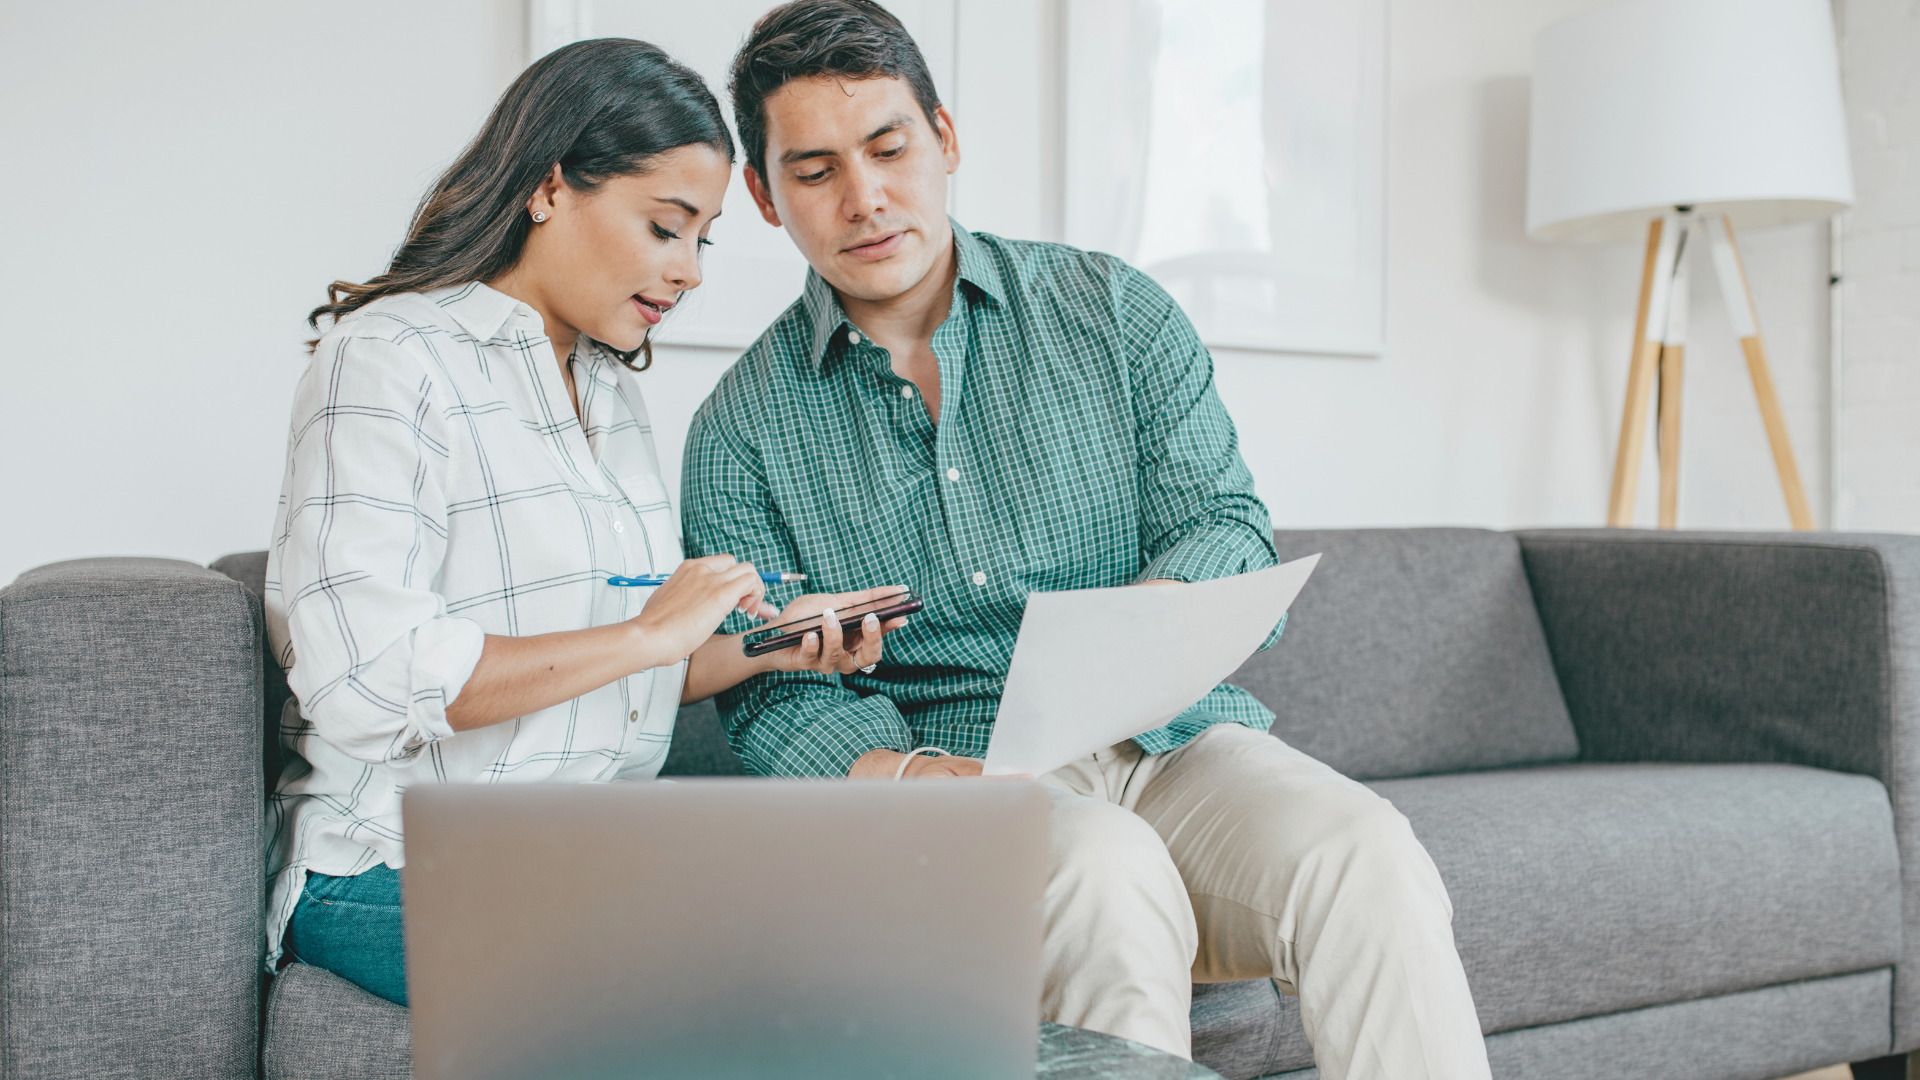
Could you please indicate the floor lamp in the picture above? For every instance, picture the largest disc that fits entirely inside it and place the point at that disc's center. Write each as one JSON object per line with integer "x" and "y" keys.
{"x": 1680, "y": 120}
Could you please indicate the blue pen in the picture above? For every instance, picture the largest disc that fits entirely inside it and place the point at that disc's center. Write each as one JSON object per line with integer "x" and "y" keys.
{"x": 771, "y": 577}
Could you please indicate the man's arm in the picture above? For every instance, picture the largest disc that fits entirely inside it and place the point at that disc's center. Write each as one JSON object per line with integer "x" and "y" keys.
{"x": 1199, "y": 516}
{"x": 780, "y": 723}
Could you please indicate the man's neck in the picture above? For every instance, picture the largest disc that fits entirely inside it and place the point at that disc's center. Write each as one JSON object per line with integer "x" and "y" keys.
{"x": 904, "y": 324}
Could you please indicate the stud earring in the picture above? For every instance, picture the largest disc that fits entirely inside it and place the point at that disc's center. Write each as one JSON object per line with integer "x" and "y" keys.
{"x": 539, "y": 216}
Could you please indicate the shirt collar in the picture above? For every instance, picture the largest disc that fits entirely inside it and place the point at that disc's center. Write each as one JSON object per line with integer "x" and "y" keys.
{"x": 479, "y": 310}
{"x": 823, "y": 309}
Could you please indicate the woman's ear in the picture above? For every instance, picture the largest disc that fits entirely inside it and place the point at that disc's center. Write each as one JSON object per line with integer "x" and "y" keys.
{"x": 540, "y": 205}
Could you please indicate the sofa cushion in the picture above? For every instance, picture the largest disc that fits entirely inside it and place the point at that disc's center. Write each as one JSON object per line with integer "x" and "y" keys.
{"x": 1581, "y": 890}
{"x": 1413, "y": 651}
{"x": 1586, "y": 889}
{"x": 319, "y": 1026}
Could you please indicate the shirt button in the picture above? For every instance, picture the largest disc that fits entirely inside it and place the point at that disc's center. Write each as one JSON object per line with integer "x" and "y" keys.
{"x": 853, "y": 337}
{"x": 633, "y": 717}
{"x": 953, "y": 474}
{"x": 979, "y": 578}
{"x": 906, "y": 392}
{"x": 617, "y": 527}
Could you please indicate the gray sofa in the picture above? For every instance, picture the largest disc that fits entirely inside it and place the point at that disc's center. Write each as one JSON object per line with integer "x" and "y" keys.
{"x": 1669, "y": 780}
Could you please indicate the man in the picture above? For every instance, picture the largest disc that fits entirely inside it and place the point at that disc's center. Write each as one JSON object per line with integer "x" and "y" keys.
{"x": 984, "y": 418}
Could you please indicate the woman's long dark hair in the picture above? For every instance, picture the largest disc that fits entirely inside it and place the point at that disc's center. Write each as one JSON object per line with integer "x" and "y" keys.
{"x": 599, "y": 109}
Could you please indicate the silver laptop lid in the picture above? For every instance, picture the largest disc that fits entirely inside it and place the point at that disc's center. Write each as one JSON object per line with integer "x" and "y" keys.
{"x": 725, "y": 929}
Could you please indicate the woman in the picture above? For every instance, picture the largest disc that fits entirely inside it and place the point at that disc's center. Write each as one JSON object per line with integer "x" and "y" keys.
{"x": 469, "y": 462}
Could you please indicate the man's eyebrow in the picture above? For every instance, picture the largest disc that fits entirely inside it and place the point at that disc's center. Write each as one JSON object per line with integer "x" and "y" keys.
{"x": 899, "y": 121}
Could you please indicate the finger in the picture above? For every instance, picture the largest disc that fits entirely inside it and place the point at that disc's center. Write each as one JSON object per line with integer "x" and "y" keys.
{"x": 751, "y": 603}
{"x": 832, "y": 642}
{"x": 867, "y": 652}
{"x": 891, "y": 625}
{"x": 742, "y": 585}
{"x": 801, "y": 656}
{"x": 716, "y": 562}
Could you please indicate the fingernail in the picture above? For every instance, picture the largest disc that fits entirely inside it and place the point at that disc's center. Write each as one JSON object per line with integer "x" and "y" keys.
{"x": 826, "y": 616}
{"x": 871, "y": 622}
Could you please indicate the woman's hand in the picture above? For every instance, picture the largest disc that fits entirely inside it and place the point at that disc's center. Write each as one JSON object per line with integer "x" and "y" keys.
{"x": 682, "y": 615}
{"x": 721, "y": 663}
{"x": 830, "y": 650}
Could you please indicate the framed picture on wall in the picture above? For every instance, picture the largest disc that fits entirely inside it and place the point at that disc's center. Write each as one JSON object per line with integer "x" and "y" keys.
{"x": 1236, "y": 151}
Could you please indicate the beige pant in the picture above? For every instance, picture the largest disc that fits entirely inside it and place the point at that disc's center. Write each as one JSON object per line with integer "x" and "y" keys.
{"x": 1238, "y": 857}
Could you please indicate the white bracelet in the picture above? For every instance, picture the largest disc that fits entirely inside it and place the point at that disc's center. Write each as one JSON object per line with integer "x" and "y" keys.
{"x": 902, "y": 770}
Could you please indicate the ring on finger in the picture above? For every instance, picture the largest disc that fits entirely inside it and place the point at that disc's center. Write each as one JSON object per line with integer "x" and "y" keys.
{"x": 868, "y": 670}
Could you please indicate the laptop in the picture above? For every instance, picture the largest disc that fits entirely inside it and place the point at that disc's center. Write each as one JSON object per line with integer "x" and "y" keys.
{"x": 725, "y": 929}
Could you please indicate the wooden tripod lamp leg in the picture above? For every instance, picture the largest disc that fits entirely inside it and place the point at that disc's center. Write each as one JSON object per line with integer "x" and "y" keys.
{"x": 1640, "y": 375}
{"x": 1673, "y": 362}
{"x": 1673, "y": 358}
{"x": 1746, "y": 324}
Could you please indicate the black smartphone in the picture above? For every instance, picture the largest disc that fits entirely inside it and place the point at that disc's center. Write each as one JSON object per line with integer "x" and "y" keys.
{"x": 788, "y": 635}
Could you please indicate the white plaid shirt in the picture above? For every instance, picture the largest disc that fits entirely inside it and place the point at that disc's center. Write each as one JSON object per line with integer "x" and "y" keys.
{"x": 439, "y": 488}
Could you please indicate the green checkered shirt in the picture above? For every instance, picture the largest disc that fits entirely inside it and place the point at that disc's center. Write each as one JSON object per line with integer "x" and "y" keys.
{"x": 1081, "y": 444}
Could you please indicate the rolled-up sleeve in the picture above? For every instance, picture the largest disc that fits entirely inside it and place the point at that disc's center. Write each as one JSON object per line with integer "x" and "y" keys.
{"x": 1199, "y": 516}
{"x": 371, "y": 654}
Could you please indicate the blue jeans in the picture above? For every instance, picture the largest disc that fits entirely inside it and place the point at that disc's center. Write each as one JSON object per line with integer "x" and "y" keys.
{"x": 351, "y": 927}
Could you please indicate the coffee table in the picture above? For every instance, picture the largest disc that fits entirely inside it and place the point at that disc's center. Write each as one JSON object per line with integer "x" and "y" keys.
{"x": 1070, "y": 1053}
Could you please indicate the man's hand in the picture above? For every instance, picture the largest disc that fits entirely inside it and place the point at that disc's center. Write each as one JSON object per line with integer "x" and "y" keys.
{"x": 882, "y": 764}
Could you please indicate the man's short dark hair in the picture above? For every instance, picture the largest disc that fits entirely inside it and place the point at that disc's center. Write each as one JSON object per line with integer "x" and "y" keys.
{"x": 840, "y": 39}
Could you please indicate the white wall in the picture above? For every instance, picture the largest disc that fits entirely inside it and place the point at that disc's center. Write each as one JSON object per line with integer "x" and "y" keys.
{"x": 181, "y": 181}
{"x": 1881, "y": 301}
{"x": 195, "y": 174}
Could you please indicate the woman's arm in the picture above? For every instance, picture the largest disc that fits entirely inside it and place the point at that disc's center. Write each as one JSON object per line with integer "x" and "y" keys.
{"x": 521, "y": 675}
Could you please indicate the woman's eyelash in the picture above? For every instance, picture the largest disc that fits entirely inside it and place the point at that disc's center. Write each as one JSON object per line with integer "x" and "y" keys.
{"x": 665, "y": 235}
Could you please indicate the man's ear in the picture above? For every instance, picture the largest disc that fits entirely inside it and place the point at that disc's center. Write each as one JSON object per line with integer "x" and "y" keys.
{"x": 542, "y": 199}
{"x": 949, "y": 142}
{"x": 762, "y": 198}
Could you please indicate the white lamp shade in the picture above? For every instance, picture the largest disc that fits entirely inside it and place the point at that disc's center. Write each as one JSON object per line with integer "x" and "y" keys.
{"x": 1729, "y": 106}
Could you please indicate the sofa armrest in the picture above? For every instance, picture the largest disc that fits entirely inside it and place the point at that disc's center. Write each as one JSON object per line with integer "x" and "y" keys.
{"x": 130, "y": 822}
{"x": 1744, "y": 647}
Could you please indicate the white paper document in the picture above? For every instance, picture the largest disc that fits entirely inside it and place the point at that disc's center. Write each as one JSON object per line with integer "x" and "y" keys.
{"x": 1094, "y": 667}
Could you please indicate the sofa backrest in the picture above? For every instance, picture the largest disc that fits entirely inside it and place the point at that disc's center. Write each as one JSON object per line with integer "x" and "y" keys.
{"x": 1413, "y": 651}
